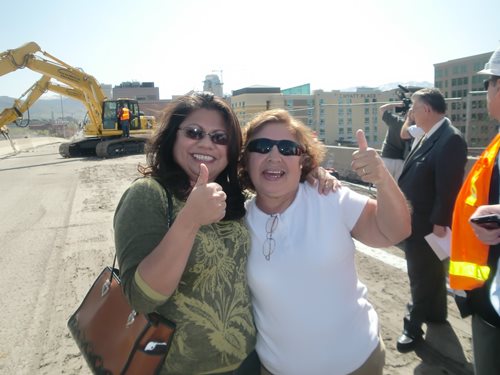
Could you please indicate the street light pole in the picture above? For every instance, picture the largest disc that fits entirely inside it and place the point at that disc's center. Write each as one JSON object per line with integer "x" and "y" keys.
{"x": 62, "y": 117}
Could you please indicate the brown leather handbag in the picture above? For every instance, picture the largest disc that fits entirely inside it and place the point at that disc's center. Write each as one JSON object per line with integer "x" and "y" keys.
{"x": 112, "y": 336}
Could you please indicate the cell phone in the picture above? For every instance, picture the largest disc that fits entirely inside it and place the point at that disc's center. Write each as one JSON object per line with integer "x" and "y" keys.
{"x": 487, "y": 221}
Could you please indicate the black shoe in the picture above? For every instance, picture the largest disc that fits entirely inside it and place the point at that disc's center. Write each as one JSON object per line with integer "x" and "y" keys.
{"x": 406, "y": 342}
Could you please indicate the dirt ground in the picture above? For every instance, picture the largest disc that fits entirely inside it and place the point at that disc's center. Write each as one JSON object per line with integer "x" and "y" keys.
{"x": 56, "y": 230}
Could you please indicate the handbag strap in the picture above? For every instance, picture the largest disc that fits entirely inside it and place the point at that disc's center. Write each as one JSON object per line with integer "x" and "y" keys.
{"x": 170, "y": 215}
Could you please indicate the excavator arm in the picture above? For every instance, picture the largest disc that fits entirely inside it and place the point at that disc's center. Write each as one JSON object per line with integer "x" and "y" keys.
{"x": 27, "y": 56}
{"x": 14, "y": 59}
{"x": 9, "y": 115}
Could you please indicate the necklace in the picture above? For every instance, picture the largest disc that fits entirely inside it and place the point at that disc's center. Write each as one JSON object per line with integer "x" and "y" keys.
{"x": 269, "y": 243}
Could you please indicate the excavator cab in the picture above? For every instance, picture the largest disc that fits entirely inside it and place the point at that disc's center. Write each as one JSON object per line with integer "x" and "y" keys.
{"x": 110, "y": 114}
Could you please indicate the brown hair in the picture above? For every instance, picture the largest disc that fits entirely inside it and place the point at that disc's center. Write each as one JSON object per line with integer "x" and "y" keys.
{"x": 314, "y": 150}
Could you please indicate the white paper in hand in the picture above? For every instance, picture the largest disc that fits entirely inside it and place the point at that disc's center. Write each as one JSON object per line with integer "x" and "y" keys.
{"x": 440, "y": 245}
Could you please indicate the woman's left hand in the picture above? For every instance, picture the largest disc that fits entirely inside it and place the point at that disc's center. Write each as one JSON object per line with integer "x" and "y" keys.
{"x": 325, "y": 181}
{"x": 367, "y": 163}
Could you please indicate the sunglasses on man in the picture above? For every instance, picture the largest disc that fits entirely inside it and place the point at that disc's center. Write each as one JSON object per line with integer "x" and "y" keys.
{"x": 218, "y": 137}
{"x": 488, "y": 81}
{"x": 285, "y": 147}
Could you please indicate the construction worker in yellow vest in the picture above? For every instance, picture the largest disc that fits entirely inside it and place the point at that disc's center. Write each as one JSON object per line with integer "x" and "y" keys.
{"x": 475, "y": 243}
{"x": 124, "y": 118}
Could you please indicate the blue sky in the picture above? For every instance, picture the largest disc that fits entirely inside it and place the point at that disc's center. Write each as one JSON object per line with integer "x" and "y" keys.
{"x": 285, "y": 43}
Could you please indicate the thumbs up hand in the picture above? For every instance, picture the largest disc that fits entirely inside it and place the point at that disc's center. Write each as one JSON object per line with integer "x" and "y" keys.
{"x": 207, "y": 200}
{"x": 367, "y": 163}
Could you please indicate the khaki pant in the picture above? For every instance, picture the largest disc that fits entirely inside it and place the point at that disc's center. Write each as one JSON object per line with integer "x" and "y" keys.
{"x": 374, "y": 365}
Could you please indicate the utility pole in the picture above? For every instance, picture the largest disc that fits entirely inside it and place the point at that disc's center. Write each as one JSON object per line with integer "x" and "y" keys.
{"x": 62, "y": 117}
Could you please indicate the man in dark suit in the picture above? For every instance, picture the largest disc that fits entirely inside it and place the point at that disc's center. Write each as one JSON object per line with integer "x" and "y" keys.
{"x": 431, "y": 178}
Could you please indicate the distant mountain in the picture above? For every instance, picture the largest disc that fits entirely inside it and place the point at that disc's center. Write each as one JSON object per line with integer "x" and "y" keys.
{"x": 50, "y": 108}
{"x": 394, "y": 85}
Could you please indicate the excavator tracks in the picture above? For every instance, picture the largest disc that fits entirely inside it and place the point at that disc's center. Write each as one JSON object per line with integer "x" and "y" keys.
{"x": 120, "y": 147}
{"x": 103, "y": 147}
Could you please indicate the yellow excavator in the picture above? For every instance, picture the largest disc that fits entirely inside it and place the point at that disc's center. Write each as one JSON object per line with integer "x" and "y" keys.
{"x": 102, "y": 133}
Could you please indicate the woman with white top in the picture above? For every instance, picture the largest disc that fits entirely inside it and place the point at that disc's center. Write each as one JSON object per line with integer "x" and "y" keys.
{"x": 310, "y": 308}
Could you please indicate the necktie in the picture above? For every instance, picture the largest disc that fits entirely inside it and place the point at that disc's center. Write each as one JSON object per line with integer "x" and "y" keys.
{"x": 422, "y": 140}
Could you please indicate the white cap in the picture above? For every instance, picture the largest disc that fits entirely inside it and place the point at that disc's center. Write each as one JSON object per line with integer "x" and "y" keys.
{"x": 492, "y": 67}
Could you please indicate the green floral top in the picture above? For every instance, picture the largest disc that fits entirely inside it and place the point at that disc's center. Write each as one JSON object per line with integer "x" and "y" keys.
{"x": 211, "y": 306}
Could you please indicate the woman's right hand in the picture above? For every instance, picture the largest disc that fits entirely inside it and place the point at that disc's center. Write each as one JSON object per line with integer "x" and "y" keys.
{"x": 206, "y": 203}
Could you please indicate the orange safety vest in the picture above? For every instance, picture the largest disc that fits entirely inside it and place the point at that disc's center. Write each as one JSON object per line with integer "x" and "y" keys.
{"x": 124, "y": 114}
{"x": 469, "y": 257}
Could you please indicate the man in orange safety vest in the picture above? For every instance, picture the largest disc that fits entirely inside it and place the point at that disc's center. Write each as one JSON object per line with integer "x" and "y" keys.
{"x": 475, "y": 247}
{"x": 124, "y": 118}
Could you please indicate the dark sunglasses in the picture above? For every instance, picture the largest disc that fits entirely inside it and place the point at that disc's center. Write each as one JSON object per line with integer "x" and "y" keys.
{"x": 285, "y": 147}
{"x": 487, "y": 82}
{"x": 218, "y": 137}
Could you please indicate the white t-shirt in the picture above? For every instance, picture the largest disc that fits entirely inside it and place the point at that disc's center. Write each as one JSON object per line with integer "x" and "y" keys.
{"x": 310, "y": 309}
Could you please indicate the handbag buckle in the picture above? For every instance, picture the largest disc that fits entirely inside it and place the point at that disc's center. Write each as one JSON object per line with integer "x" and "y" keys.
{"x": 105, "y": 288}
{"x": 131, "y": 318}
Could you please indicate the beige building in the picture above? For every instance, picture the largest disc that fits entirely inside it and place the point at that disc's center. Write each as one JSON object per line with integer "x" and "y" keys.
{"x": 334, "y": 116}
{"x": 466, "y": 98}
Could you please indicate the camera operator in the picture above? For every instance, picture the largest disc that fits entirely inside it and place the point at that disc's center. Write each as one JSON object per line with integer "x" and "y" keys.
{"x": 394, "y": 148}
{"x": 410, "y": 131}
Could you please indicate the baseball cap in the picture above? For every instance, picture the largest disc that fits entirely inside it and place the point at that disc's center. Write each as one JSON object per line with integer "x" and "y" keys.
{"x": 492, "y": 67}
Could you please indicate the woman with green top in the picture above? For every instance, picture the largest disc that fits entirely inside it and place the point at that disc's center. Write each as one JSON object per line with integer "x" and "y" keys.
{"x": 193, "y": 273}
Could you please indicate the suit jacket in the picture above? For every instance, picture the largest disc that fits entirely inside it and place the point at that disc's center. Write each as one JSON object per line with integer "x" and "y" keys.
{"x": 432, "y": 176}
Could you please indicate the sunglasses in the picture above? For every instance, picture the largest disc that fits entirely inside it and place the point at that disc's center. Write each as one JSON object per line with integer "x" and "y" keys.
{"x": 488, "y": 81}
{"x": 218, "y": 137}
{"x": 285, "y": 147}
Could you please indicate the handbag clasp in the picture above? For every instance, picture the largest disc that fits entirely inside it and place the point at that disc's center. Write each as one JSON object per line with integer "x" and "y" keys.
{"x": 105, "y": 288}
{"x": 131, "y": 318}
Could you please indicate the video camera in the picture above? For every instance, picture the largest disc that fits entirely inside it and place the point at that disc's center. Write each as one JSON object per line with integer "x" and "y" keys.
{"x": 404, "y": 93}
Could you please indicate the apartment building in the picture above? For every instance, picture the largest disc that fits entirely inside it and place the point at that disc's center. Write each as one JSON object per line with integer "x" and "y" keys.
{"x": 334, "y": 116}
{"x": 466, "y": 98}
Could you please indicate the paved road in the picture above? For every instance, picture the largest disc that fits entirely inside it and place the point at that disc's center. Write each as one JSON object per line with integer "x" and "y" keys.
{"x": 56, "y": 236}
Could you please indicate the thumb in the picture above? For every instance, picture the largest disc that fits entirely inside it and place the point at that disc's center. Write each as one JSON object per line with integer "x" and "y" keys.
{"x": 360, "y": 136}
{"x": 203, "y": 176}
